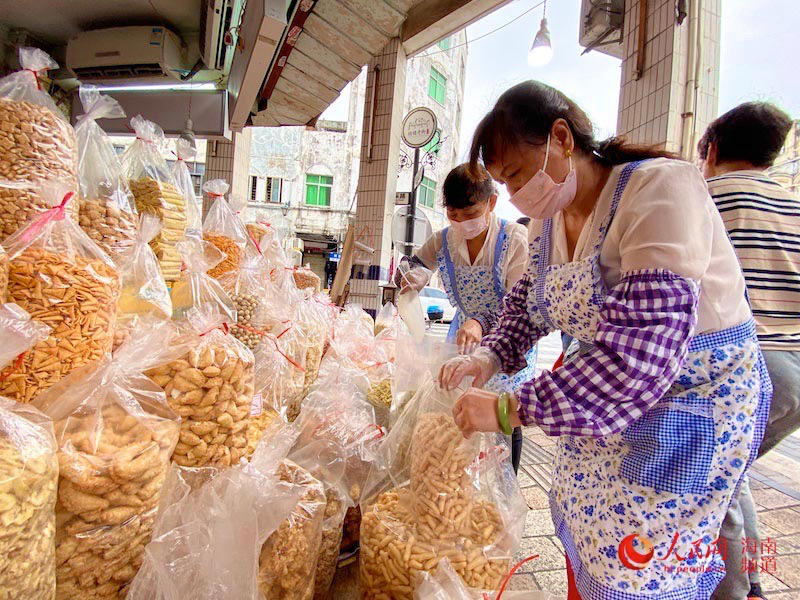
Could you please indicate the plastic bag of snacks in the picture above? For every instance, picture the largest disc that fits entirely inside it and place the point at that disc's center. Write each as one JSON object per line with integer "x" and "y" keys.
{"x": 36, "y": 142}
{"x": 446, "y": 584}
{"x": 62, "y": 279}
{"x": 304, "y": 278}
{"x": 288, "y": 558}
{"x": 261, "y": 418}
{"x": 144, "y": 291}
{"x": 280, "y": 370}
{"x": 184, "y": 152}
{"x": 211, "y": 527}
{"x": 223, "y": 228}
{"x": 247, "y": 287}
{"x": 211, "y": 386}
{"x": 115, "y": 433}
{"x": 434, "y": 494}
{"x": 325, "y": 460}
{"x": 156, "y": 193}
{"x": 195, "y": 290}
{"x": 107, "y": 212}
{"x": 28, "y": 483}
{"x": 312, "y": 318}
{"x": 19, "y": 332}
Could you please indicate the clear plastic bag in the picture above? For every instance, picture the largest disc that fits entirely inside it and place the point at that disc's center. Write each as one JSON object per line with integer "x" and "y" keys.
{"x": 434, "y": 494}
{"x": 223, "y": 227}
{"x": 156, "y": 193}
{"x": 248, "y": 287}
{"x": 305, "y": 278}
{"x": 446, "y": 584}
{"x": 280, "y": 370}
{"x": 3, "y": 273}
{"x": 313, "y": 318}
{"x": 36, "y": 142}
{"x": 195, "y": 291}
{"x": 184, "y": 152}
{"x": 19, "y": 332}
{"x": 28, "y": 483}
{"x": 144, "y": 291}
{"x": 288, "y": 558}
{"x": 107, "y": 212}
{"x": 63, "y": 279}
{"x": 115, "y": 433}
{"x": 211, "y": 527}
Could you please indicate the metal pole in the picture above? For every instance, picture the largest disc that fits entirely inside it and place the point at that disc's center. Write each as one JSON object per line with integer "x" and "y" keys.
{"x": 412, "y": 208}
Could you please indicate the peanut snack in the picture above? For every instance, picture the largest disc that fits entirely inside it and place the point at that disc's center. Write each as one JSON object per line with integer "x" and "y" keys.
{"x": 211, "y": 388}
{"x": 35, "y": 145}
{"x": 28, "y": 481}
{"x": 108, "y": 495}
{"x": 288, "y": 558}
{"x": 410, "y": 528}
{"x": 75, "y": 296}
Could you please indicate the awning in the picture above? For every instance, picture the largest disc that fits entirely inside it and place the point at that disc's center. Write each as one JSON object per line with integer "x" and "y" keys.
{"x": 316, "y": 242}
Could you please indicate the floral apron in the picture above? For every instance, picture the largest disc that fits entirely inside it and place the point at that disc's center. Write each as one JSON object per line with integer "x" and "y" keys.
{"x": 669, "y": 477}
{"x": 474, "y": 290}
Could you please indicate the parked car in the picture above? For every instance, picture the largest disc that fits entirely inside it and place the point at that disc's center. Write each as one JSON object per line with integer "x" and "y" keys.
{"x": 436, "y": 305}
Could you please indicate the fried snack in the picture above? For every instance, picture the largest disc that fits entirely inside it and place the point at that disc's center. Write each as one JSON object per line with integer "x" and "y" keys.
{"x": 35, "y": 145}
{"x": 330, "y": 542}
{"x": 77, "y": 297}
{"x": 28, "y": 482}
{"x": 411, "y": 528}
{"x": 380, "y": 394}
{"x": 166, "y": 202}
{"x": 3, "y": 274}
{"x": 233, "y": 253}
{"x": 288, "y": 558}
{"x": 211, "y": 388}
{"x": 111, "y": 228}
{"x": 108, "y": 495}
{"x": 306, "y": 278}
{"x": 257, "y": 426}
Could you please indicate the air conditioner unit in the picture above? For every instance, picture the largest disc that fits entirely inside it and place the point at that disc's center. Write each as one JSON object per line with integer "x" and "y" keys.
{"x": 146, "y": 54}
{"x": 218, "y": 18}
{"x": 262, "y": 27}
{"x": 601, "y": 26}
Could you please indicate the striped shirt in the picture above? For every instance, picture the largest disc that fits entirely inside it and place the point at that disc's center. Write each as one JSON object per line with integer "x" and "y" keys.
{"x": 763, "y": 222}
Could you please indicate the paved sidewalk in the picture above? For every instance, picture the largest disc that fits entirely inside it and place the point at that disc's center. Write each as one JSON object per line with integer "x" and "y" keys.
{"x": 774, "y": 480}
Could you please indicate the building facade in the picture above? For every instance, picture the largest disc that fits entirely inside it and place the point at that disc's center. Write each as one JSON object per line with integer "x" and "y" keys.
{"x": 786, "y": 169}
{"x": 306, "y": 178}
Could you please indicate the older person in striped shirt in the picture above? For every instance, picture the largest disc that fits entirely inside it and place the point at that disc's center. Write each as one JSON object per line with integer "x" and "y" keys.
{"x": 763, "y": 221}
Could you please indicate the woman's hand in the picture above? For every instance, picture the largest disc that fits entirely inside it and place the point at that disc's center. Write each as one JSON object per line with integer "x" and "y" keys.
{"x": 476, "y": 411}
{"x": 481, "y": 366}
{"x": 469, "y": 336}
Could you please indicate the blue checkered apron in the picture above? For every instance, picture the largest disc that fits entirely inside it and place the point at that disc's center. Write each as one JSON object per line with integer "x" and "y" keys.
{"x": 669, "y": 476}
{"x": 474, "y": 290}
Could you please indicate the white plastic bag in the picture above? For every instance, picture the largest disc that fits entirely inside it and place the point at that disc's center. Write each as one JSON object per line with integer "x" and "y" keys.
{"x": 184, "y": 152}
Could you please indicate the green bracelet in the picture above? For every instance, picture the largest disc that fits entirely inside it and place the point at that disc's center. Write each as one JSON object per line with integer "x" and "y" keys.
{"x": 503, "y": 402}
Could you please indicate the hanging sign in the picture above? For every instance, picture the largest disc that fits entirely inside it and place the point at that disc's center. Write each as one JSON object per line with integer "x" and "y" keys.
{"x": 419, "y": 127}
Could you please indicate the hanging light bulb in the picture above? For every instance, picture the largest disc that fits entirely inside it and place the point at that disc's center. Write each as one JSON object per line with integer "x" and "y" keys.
{"x": 541, "y": 51}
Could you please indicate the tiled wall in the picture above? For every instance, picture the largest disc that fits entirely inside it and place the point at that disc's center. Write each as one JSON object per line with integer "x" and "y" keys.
{"x": 650, "y": 107}
{"x": 377, "y": 180}
{"x": 230, "y": 161}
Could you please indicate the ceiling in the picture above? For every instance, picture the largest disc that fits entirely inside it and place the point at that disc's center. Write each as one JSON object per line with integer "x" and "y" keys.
{"x": 55, "y": 21}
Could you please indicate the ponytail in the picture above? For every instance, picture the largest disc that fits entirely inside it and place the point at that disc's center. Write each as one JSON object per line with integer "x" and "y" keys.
{"x": 615, "y": 151}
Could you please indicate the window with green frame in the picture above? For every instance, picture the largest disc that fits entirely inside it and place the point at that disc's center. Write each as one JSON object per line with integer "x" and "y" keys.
{"x": 426, "y": 192}
{"x": 437, "y": 86}
{"x": 445, "y": 43}
{"x": 318, "y": 190}
{"x": 435, "y": 143}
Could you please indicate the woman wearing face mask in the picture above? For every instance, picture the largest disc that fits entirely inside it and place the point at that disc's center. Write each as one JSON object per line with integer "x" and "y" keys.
{"x": 479, "y": 258}
{"x": 661, "y": 410}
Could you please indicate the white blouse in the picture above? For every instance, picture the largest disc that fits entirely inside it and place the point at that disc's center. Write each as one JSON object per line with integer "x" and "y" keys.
{"x": 665, "y": 219}
{"x": 513, "y": 266}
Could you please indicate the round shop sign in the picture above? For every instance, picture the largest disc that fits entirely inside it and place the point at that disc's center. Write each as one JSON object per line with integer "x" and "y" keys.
{"x": 419, "y": 127}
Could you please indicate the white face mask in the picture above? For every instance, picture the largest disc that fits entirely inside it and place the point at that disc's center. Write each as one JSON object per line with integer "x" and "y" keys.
{"x": 542, "y": 197}
{"x": 471, "y": 228}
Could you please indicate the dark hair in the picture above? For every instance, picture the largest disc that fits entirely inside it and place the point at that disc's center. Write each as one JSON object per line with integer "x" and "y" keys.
{"x": 753, "y": 132}
{"x": 464, "y": 187}
{"x": 524, "y": 221}
{"x": 525, "y": 113}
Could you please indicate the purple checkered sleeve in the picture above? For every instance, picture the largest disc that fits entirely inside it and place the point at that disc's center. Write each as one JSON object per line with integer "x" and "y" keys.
{"x": 642, "y": 338}
{"x": 486, "y": 319}
{"x": 514, "y": 334}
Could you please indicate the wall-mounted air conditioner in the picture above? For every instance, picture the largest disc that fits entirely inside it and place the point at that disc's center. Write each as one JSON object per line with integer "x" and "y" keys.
{"x": 263, "y": 23}
{"x": 601, "y": 26}
{"x": 146, "y": 54}
{"x": 219, "y": 21}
